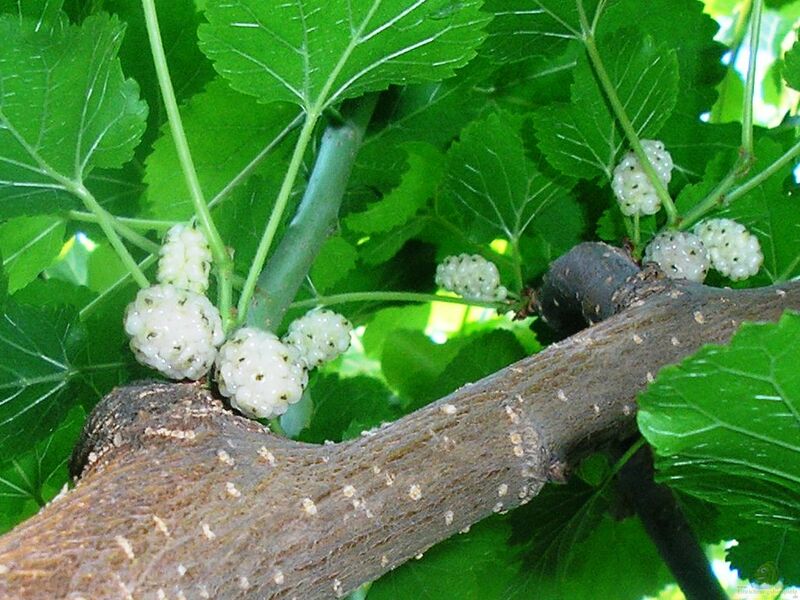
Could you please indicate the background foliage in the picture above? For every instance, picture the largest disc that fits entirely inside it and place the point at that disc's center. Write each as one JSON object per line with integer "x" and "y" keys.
{"x": 493, "y": 133}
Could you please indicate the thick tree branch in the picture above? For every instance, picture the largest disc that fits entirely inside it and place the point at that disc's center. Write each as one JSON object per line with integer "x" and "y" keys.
{"x": 180, "y": 496}
{"x": 667, "y": 526}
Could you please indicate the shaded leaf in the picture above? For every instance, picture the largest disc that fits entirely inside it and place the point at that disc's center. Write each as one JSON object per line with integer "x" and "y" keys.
{"x": 36, "y": 477}
{"x": 766, "y": 554}
{"x": 419, "y": 182}
{"x": 39, "y": 347}
{"x": 791, "y": 67}
{"x": 335, "y": 260}
{"x": 474, "y": 566}
{"x": 28, "y": 245}
{"x": 338, "y": 403}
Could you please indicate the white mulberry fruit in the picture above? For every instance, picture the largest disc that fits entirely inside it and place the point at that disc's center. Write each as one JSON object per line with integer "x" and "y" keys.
{"x": 319, "y": 336}
{"x": 174, "y": 331}
{"x": 680, "y": 255}
{"x": 734, "y": 251}
{"x": 633, "y": 189}
{"x": 471, "y": 276}
{"x": 261, "y": 375}
{"x": 185, "y": 259}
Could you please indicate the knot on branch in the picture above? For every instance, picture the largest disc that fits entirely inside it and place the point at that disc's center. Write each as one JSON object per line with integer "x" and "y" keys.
{"x": 648, "y": 282}
{"x": 578, "y": 289}
{"x": 133, "y": 415}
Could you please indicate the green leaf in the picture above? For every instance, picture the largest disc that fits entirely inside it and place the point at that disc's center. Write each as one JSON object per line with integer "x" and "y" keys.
{"x": 433, "y": 113}
{"x": 699, "y": 54}
{"x": 425, "y": 167}
{"x": 316, "y": 53}
{"x": 241, "y": 217}
{"x": 492, "y": 182}
{"x": 3, "y": 283}
{"x": 335, "y": 260}
{"x": 521, "y": 29}
{"x": 386, "y": 321}
{"x": 65, "y": 108}
{"x": 189, "y": 69}
{"x": 72, "y": 264}
{"x": 225, "y": 131}
{"x": 39, "y": 347}
{"x": 791, "y": 67}
{"x": 43, "y": 14}
{"x": 412, "y": 364}
{"x": 617, "y": 561}
{"x": 551, "y": 524}
{"x": 339, "y": 403}
{"x": 765, "y": 554}
{"x": 54, "y": 292}
{"x": 28, "y": 246}
{"x": 474, "y": 566}
{"x": 479, "y": 356}
{"x": 382, "y": 247}
{"x": 725, "y": 422}
{"x": 556, "y": 229}
{"x": 582, "y": 139}
{"x": 34, "y": 478}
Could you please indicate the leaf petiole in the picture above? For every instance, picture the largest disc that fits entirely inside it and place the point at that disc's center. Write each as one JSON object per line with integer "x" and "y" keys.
{"x": 222, "y": 260}
{"x": 350, "y": 297}
{"x": 622, "y": 116}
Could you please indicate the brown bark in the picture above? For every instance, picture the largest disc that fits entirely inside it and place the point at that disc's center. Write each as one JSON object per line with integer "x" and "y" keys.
{"x": 181, "y": 498}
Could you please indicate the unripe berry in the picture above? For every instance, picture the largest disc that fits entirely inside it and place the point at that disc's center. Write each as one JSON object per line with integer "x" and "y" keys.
{"x": 261, "y": 375}
{"x": 734, "y": 251}
{"x": 471, "y": 276}
{"x": 174, "y": 331}
{"x": 319, "y": 336}
{"x": 185, "y": 259}
{"x": 680, "y": 255}
{"x": 633, "y": 189}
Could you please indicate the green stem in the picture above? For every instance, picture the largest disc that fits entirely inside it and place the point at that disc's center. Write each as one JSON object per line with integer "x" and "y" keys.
{"x": 624, "y": 459}
{"x": 714, "y": 200}
{"x": 750, "y": 83}
{"x": 517, "y": 256}
{"x": 126, "y": 232}
{"x": 637, "y": 233}
{"x": 316, "y": 216}
{"x": 133, "y": 223}
{"x": 350, "y": 297}
{"x": 720, "y": 196}
{"x": 222, "y": 260}
{"x": 761, "y": 177}
{"x": 107, "y": 224}
{"x": 284, "y": 194}
{"x": 623, "y": 119}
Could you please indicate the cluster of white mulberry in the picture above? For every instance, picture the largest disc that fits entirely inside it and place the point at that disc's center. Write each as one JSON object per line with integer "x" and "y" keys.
{"x": 176, "y": 330}
{"x": 721, "y": 244}
{"x": 631, "y": 185}
{"x": 471, "y": 276}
